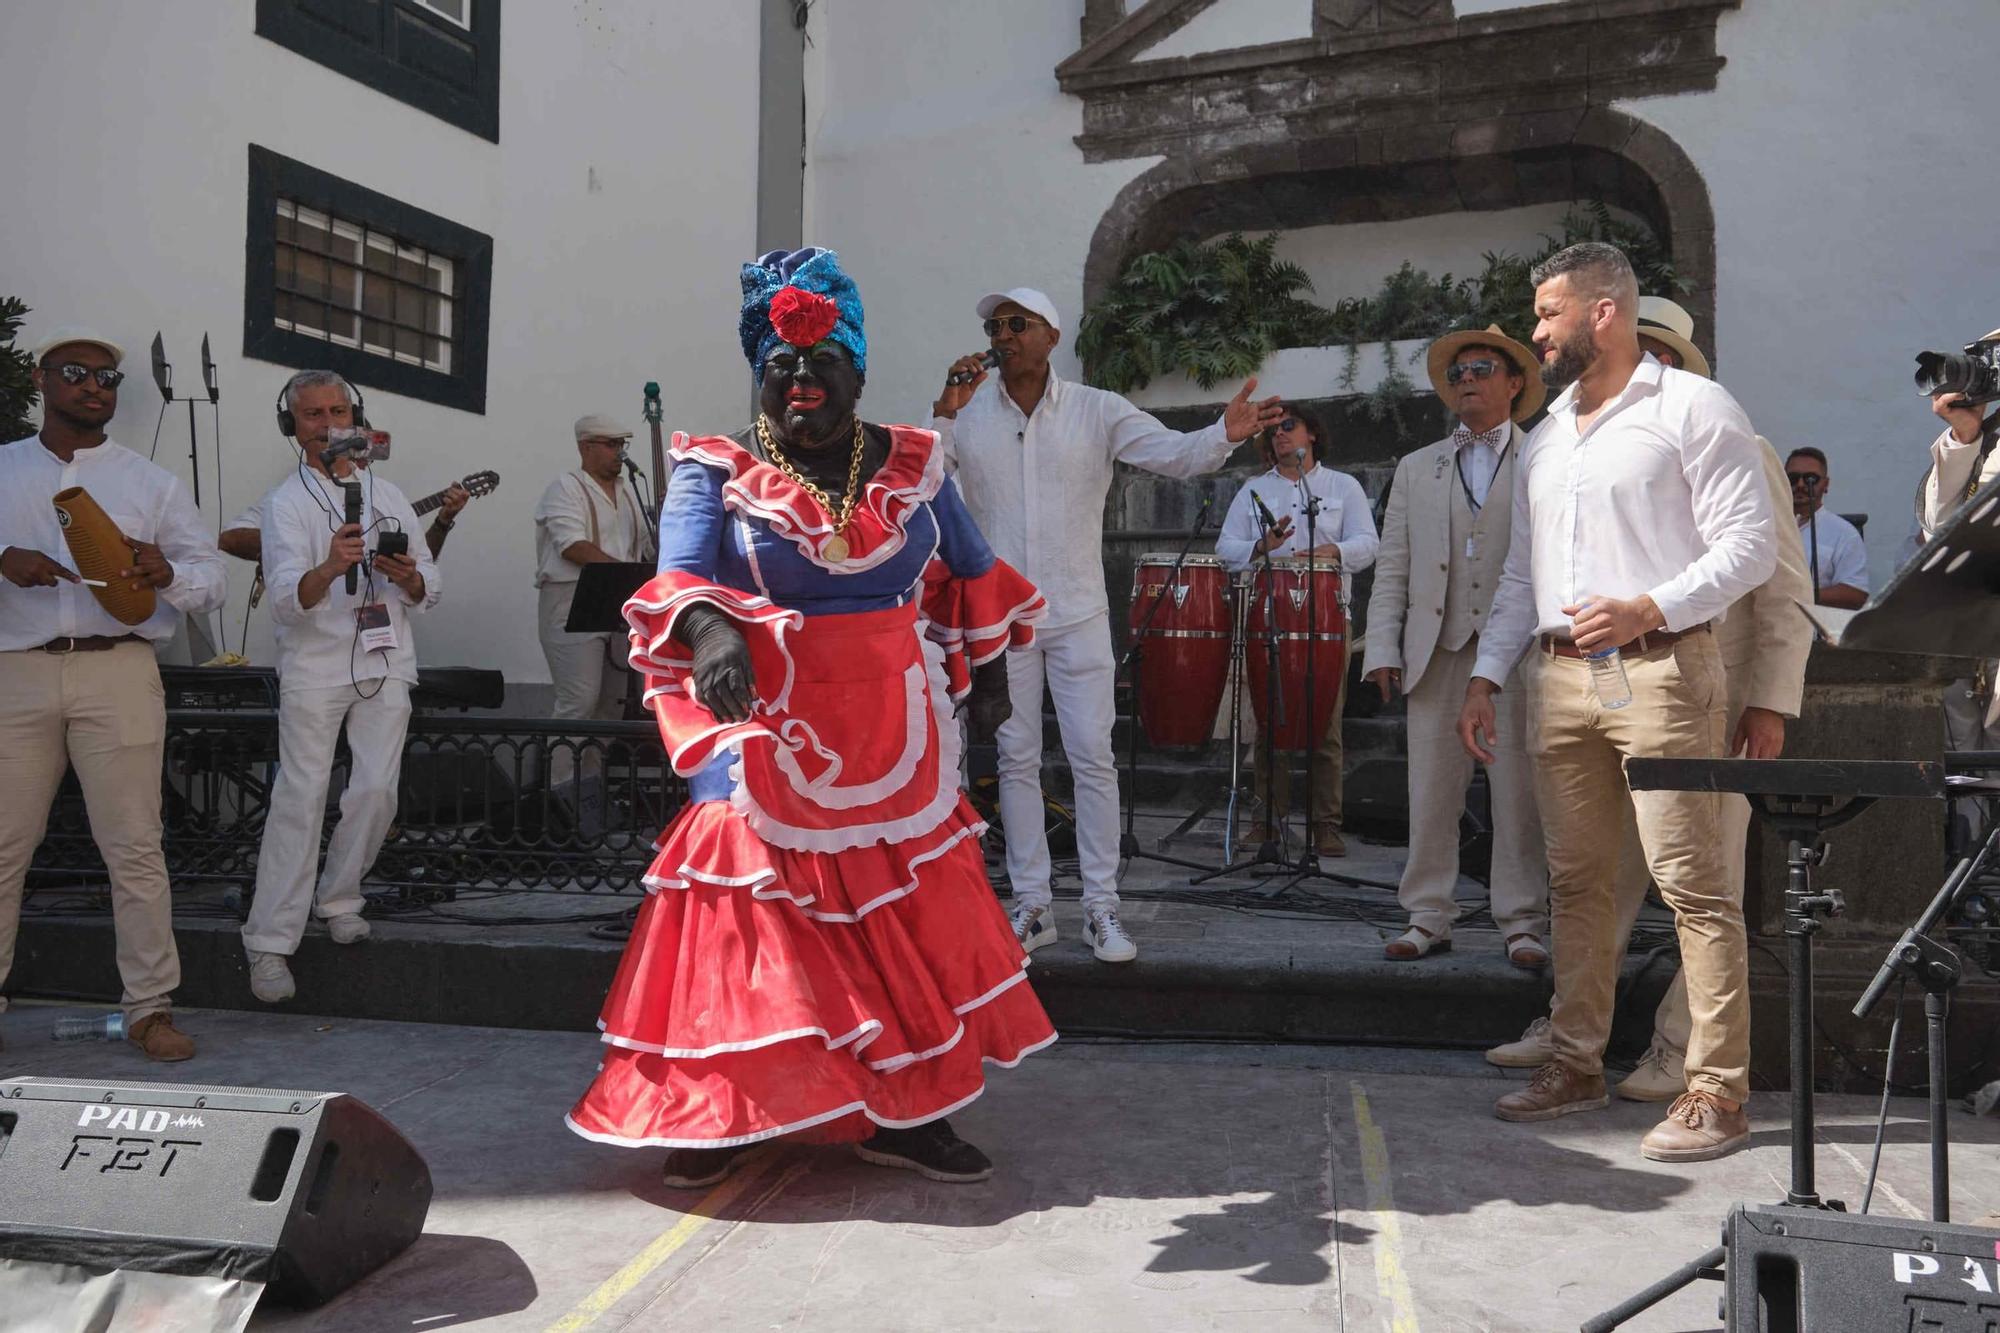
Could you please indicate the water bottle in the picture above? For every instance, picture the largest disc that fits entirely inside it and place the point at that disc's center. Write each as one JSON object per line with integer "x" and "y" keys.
{"x": 111, "y": 1027}
{"x": 1607, "y": 677}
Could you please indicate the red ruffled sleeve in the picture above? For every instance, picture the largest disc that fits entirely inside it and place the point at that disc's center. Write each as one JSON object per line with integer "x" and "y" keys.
{"x": 976, "y": 619}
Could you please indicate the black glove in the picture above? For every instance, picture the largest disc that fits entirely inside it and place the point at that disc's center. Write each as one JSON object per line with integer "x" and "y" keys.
{"x": 989, "y": 704}
{"x": 724, "y": 684}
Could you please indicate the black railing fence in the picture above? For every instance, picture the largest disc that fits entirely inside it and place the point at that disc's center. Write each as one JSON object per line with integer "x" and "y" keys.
{"x": 487, "y": 803}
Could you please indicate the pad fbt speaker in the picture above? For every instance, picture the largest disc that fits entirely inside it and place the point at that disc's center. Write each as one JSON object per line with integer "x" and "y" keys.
{"x": 1799, "y": 1270}
{"x": 99, "y": 554}
{"x": 308, "y": 1192}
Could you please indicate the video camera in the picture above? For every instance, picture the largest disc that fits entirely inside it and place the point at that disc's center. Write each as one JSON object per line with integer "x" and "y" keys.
{"x": 354, "y": 442}
{"x": 1973, "y": 374}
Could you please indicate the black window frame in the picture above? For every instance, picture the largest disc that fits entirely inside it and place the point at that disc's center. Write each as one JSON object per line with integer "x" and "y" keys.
{"x": 285, "y": 23}
{"x": 274, "y": 176}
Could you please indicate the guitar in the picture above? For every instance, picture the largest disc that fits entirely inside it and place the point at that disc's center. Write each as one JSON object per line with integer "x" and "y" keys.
{"x": 478, "y": 484}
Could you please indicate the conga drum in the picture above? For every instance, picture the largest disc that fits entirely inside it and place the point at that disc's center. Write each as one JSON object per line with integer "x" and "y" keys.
{"x": 1306, "y": 610}
{"x": 1186, "y": 645}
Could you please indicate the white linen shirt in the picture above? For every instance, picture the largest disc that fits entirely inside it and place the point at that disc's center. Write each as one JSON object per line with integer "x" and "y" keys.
{"x": 317, "y": 646}
{"x": 146, "y": 502}
{"x": 1036, "y": 484}
{"x": 1843, "y": 553}
{"x": 562, "y": 519}
{"x": 1478, "y": 458}
{"x": 1344, "y": 520}
{"x": 1665, "y": 495}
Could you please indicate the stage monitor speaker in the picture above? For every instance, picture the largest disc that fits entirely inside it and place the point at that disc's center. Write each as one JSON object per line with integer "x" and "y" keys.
{"x": 1803, "y": 1269}
{"x": 307, "y": 1192}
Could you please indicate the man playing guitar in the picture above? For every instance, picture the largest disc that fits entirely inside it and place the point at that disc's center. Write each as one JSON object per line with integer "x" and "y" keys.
{"x": 244, "y": 537}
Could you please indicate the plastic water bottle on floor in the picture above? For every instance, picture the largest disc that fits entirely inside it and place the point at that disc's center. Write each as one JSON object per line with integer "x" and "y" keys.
{"x": 110, "y": 1027}
{"x": 1607, "y": 677}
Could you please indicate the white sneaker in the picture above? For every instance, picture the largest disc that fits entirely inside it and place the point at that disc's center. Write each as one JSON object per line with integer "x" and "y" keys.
{"x": 1660, "y": 1077}
{"x": 1034, "y": 926}
{"x": 348, "y": 928}
{"x": 1107, "y": 939}
{"x": 270, "y": 977}
{"x": 1535, "y": 1049}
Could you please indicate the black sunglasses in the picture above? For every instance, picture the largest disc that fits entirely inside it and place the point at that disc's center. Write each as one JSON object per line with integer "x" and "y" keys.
{"x": 1289, "y": 423}
{"x": 75, "y": 373}
{"x": 1015, "y": 323}
{"x": 1479, "y": 370}
{"x": 1804, "y": 478}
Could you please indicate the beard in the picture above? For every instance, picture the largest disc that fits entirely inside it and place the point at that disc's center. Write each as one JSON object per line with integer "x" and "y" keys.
{"x": 1574, "y": 355}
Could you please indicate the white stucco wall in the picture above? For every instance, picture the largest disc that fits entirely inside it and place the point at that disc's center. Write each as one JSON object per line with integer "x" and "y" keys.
{"x": 1231, "y": 23}
{"x": 1853, "y": 218}
{"x": 621, "y": 198}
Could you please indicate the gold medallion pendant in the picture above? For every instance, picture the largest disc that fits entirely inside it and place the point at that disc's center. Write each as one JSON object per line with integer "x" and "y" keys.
{"x": 835, "y": 549}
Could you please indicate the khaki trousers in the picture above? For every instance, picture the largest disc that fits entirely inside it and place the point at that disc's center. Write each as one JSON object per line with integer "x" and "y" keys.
{"x": 1440, "y": 772}
{"x": 1326, "y": 771}
{"x": 105, "y": 714}
{"x": 1677, "y": 711}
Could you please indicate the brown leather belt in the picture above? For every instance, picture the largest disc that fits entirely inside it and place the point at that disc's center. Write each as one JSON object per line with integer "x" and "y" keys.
{"x": 1650, "y": 641}
{"x": 90, "y": 643}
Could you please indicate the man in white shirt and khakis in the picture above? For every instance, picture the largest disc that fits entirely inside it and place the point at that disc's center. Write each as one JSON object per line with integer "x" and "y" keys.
{"x": 80, "y": 687}
{"x": 1034, "y": 456}
{"x": 1641, "y": 512}
{"x": 1444, "y": 539}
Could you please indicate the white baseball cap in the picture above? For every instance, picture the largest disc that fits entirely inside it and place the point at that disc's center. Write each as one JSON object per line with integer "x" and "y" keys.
{"x": 598, "y": 426}
{"x": 1025, "y": 297}
{"x": 66, "y": 336}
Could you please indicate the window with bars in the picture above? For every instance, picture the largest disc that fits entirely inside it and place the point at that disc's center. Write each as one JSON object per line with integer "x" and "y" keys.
{"x": 342, "y": 277}
{"x": 439, "y": 56}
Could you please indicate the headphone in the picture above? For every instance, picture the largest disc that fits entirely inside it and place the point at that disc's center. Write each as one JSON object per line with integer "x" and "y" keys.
{"x": 289, "y": 425}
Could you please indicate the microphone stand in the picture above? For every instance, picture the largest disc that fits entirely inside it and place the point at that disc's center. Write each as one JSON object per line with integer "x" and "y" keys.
{"x": 1812, "y": 525}
{"x": 1135, "y": 656}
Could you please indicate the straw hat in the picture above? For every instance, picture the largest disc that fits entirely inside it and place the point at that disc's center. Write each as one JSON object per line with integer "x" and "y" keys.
{"x": 1446, "y": 349}
{"x": 1664, "y": 321}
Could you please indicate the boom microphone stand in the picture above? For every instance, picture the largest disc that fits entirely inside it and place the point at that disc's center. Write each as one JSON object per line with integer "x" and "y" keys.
{"x": 1269, "y": 848}
{"x": 1135, "y": 655}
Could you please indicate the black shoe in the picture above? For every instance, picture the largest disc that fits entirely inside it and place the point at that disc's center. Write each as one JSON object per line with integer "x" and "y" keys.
{"x": 697, "y": 1168}
{"x": 931, "y": 1149}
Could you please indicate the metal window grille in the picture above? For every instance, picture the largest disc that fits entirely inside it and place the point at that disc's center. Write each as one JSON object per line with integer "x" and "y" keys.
{"x": 358, "y": 286}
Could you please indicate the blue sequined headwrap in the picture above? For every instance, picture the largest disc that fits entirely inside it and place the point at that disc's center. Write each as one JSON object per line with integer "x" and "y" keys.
{"x": 812, "y": 270}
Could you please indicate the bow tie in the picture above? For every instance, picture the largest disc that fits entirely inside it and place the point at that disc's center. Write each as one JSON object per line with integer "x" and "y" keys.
{"x": 1463, "y": 438}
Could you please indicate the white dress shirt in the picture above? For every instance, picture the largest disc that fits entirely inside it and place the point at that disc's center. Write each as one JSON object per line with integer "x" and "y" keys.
{"x": 1036, "y": 484}
{"x": 1664, "y": 495}
{"x": 1843, "y": 553}
{"x": 575, "y": 509}
{"x": 1478, "y": 458}
{"x": 146, "y": 502}
{"x": 1344, "y": 520}
{"x": 318, "y": 645}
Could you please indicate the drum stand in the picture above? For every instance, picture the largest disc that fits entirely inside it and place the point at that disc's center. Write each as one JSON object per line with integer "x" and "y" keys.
{"x": 1270, "y": 849}
{"x": 1135, "y": 655}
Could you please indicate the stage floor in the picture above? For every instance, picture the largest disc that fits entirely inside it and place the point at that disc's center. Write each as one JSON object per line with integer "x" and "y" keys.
{"x": 1156, "y": 1186}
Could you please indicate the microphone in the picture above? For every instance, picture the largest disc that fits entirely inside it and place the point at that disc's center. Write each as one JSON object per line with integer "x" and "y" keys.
{"x": 988, "y": 359}
{"x": 1264, "y": 513}
{"x": 1201, "y": 514}
{"x": 353, "y": 489}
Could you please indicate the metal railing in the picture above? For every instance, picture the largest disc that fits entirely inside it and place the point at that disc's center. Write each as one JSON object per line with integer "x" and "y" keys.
{"x": 485, "y": 803}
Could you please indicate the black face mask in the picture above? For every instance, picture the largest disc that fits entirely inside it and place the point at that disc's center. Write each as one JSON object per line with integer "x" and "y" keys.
{"x": 826, "y": 368}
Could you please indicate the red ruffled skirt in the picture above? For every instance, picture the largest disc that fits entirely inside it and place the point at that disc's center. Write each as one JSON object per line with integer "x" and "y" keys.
{"x": 789, "y": 973}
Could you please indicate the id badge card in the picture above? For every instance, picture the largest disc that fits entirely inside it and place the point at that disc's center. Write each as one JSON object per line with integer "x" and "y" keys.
{"x": 1472, "y": 548}
{"x": 377, "y": 634}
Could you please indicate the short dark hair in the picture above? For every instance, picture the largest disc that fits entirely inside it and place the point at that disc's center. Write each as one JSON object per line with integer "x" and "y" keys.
{"x": 1307, "y": 418}
{"x": 1807, "y": 451}
{"x": 1595, "y": 269}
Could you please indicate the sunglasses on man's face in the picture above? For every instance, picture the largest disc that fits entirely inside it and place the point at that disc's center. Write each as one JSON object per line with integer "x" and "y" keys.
{"x": 1479, "y": 370}
{"x": 1289, "y": 423}
{"x": 1014, "y": 323}
{"x": 72, "y": 372}
{"x": 1803, "y": 478}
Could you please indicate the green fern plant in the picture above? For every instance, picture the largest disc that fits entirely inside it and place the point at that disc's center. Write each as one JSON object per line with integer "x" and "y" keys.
{"x": 17, "y": 388}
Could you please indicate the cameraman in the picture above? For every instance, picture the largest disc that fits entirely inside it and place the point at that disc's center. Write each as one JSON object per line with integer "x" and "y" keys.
{"x": 345, "y": 658}
{"x": 1963, "y": 463}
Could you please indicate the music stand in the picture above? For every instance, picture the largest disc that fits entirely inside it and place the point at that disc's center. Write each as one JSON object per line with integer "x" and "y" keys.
{"x": 599, "y": 607}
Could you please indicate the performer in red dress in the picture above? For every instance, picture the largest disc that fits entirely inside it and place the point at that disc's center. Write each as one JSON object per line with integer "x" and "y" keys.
{"x": 819, "y": 954}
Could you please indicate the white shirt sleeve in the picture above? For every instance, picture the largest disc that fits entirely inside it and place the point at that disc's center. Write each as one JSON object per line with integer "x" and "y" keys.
{"x": 251, "y": 518}
{"x": 1138, "y": 438}
{"x": 1850, "y": 559}
{"x": 291, "y": 548}
{"x": 1240, "y": 531}
{"x": 1732, "y": 512}
{"x": 200, "y": 577}
{"x": 564, "y": 511}
{"x": 1358, "y": 541}
{"x": 947, "y": 441}
{"x": 1511, "y": 623}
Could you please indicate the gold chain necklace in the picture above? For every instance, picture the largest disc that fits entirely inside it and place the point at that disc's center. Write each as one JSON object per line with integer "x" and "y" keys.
{"x": 835, "y": 547}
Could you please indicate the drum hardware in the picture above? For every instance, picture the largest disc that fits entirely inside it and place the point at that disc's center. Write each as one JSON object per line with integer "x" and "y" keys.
{"x": 1182, "y": 653}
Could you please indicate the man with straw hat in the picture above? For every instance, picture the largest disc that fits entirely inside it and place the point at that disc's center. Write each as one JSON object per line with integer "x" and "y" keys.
{"x": 1442, "y": 547}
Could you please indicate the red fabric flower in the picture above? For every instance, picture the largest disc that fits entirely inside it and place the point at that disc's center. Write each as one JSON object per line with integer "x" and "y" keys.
{"x": 802, "y": 318}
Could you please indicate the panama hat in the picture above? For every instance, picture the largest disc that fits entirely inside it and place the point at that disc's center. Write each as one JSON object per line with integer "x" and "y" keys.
{"x": 1446, "y": 349}
{"x": 1664, "y": 321}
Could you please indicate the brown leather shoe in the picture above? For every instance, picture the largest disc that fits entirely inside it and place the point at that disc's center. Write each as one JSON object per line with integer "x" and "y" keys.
{"x": 1697, "y": 1129}
{"x": 1330, "y": 843}
{"x": 1555, "y": 1090}
{"x": 156, "y": 1035}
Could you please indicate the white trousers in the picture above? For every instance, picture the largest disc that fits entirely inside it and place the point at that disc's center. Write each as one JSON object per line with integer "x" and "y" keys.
{"x": 588, "y": 681}
{"x": 1077, "y": 666}
{"x": 309, "y": 725}
{"x": 1440, "y": 772}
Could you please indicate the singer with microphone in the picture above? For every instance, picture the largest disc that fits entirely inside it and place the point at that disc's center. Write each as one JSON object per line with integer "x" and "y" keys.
{"x": 591, "y": 514}
{"x": 1269, "y": 517}
{"x": 344, "y": 580}
{"x": 1033, "y": 453}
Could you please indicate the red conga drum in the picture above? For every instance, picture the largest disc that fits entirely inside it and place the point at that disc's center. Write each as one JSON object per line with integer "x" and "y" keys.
{"x": 1308, "y": 621}
{"x": 1186, "y": 645}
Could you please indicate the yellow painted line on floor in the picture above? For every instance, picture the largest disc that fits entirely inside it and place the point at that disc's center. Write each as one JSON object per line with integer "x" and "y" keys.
{"x": 1392, "y": 1278}
{"x": 620, "y": 1284}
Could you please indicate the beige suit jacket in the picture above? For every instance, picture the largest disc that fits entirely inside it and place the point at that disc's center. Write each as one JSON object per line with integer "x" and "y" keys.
{"x": 1766, "y": 638}
{"x": 1406, "y": 606}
